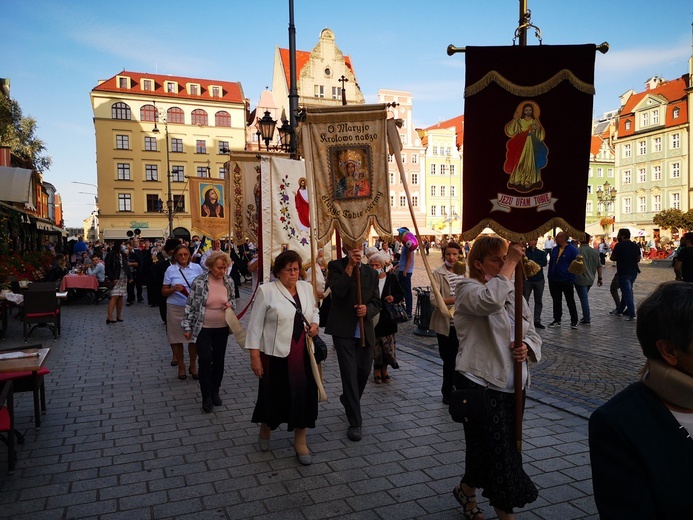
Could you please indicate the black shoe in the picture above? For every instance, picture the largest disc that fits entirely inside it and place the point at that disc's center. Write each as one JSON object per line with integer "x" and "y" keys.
{"x": 207, "y": 405}
{"x": 354, "y": 433}
{"x": 583, "y": 321}
{"x": 538, "y": 325}
{"x": 216, "y": 400}
{"x": 554, "y": 324}
{"x": 127, "y": 304}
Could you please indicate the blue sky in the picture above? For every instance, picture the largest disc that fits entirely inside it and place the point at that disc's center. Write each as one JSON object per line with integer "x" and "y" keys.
{"x": 55, "y": 51}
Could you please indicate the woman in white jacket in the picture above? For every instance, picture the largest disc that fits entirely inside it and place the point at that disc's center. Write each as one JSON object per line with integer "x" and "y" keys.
{"x": 484, "y": 320}
{"x": 276, "y": 339}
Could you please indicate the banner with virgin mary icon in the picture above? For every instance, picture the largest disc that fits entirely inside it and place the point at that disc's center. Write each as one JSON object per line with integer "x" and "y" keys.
{"x": 528, "y": 126}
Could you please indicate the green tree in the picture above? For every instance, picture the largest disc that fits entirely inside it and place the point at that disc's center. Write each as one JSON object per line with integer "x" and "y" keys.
{"x": 670, "y": 219}
{"x": 19, "y": 134}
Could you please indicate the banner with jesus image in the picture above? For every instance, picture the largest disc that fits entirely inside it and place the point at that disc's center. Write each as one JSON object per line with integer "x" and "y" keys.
{"x": 209, "y": 207}
{"x": 528, "y": 117}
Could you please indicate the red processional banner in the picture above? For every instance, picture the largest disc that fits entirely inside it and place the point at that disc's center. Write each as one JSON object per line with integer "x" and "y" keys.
{"x": 528, "y": 117}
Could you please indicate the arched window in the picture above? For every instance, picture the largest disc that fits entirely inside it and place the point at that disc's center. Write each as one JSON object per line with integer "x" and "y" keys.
{"x": 148, "y": 113}
{"x": 222, "y": 118}
{"x": 199, "y": 117}
{"x": 176, "y": 115}
{"x": 120, "y": 110}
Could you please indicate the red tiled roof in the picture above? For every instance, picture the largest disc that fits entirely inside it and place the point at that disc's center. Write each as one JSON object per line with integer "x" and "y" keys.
{"x": 595, "y": 145}
{"x": 302, "y": 57}
{"x": 232, "y": 92}
{"x": 674, "y": 91}
{"x": 457, "y": 123}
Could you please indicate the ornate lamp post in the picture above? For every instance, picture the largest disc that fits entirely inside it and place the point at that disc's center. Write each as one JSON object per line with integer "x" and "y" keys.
{"x": 605, "y": 195}
{"x": 266, "y": 126}
{"x": 169, "y": 202}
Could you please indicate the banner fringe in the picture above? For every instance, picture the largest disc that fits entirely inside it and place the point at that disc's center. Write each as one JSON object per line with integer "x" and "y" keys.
{"x": 529, "y": 91}
{"x": 512, "y": 236}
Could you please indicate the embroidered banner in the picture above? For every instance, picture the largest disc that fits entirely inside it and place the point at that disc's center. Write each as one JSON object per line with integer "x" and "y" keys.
{"x": 209, "y": 207}
{"x": 346, "y": 159}
{"x": 244, "y": 180}
{"x": 528, "y": 115}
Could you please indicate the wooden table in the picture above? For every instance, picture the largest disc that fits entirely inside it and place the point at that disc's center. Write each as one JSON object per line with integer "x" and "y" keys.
{"x": 79, "y": 281}
{"x": 28, "y": 364}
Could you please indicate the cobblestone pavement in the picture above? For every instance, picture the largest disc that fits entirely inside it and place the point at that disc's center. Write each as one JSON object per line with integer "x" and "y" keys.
{"x": 124, "y": 438}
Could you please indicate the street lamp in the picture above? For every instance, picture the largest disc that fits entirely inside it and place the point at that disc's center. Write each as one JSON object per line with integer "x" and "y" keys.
{"x": 266, "y": 127}
{"x": 96, "y": 196}
{"x": 285, "y": 134}
{"x": 605, "y": 196}
{"x": 169, "y": 202}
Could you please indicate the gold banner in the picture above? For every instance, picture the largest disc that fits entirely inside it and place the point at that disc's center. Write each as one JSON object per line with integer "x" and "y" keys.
{"x": 209, "y": 207}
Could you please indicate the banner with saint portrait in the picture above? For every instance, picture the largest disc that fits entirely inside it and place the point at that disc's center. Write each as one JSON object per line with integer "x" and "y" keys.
{"x": 528, "y": 117}
{"x": 245, "y": 201}
{"x": 346, "y": 159}
{"x": 208, "y": 206}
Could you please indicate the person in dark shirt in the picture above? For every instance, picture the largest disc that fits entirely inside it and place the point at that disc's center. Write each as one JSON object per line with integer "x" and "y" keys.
{"x": 535, "y": 283}
{"x": 626, "y": 255}
{"x": 684, "y": 259}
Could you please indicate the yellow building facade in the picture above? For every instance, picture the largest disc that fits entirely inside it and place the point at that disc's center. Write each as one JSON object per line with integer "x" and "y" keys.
{"x": 136, "y": 115}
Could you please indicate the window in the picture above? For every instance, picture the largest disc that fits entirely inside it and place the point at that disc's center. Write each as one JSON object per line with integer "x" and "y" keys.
{"x": 452, "y": 169}
{"x": 600, "y": 172}
{"x": 642, "y": 147}
{"x": 590, "y": 173}
{"x": 403, "y": 138}
{"x": 443, "y": 169}
{"x": 202, "y": 171}
{"x": 392, "y": 201}
{"x": 645, "y": 119}
{"x": 175, "y": 115}
{"x": 391, "y": 158}
{"x": 392, "y": 178}
{"x": 176, "y": 145}
{"x": 124, "y": 202}
{"x": 415, "y": 201}
{"x": 642, "y": 204}
{"x": 589, "y": 189}
{"x": 676, "y": 170}
{"x": 610, "y": 172}
{"x": 171, "y": 87}
{"x": 626, "y": 205}
{"x": 222, "y": 172}
{"x": 444, "y": 210}
{"x": 442, "y": 191}
{"x": 224, "y": 147}
{"x": 147, "y": 84}
{"x": 433, "y": 169}
{"x": 120, "y": 111}
{"x": 222, "y": 118}
{"x": 434, "y": 211}
{"x": 336, "y": 93}
{"x": 177, "y": 173}
{"x": 676, "y": 112}
{"x": 641, "y": 175}
{"x": 435, "y": 150}
{"x": 656, "y": 173}
{"x": 150, "y": 144}
{"x": 148, "y": 113}
{"x": 123, "y": 83}
{"x": 676, "y": 200}
{"x": 151, "y": 172}
{"x": 626, "y": 177}
{"x": 404, "y": 159}
{"x": 589, "y": 206}
{"x": 655, "y": 117}
{"x": 319, "y": 91}
{"x": 656, "y": 203}
{"x": 194, "y": 89}
{"x": 675, "y": 141}
{"x": 123, "y": 172}
{"x": 433, "y": 190}
{"x": 626, "y": 150}
{"x": 628, "y": 124}
{"x": 178, "y": 203}
{"x": 452, "y": 191}
{"x": 199, "y": 117}
{"x": 414, "y": 158}
{"x": 123, "y": 142}
{"x": 657, "y": 144}
{"x": 402, "y": 201}
{"x": 415, "y": 179}
{"x": 200, "y": 146}
{"x": 448, "y": 151}
{"x": 216, "y": 92}
{"x": 152, "y": 203}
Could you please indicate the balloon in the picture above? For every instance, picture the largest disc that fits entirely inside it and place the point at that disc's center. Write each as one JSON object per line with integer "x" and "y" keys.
{"x": 410, "y": 241}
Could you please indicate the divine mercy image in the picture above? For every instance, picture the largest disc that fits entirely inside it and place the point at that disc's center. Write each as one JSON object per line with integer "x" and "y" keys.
{"x": 526, "y": 154}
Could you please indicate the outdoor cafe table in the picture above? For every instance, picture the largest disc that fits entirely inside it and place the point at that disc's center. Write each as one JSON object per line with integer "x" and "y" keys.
{"x": 79, "y": 281}
{"x": 27, "y": 364}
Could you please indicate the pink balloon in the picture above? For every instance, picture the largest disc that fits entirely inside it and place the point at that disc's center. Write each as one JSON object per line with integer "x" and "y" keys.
{"x": 410, "y": 241}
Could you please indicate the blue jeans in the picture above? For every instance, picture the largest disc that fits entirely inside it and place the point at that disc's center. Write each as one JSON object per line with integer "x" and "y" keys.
{"x": 625, "y": 283}
{"x": 405, "y": 284}
{"x": 582, "y": 291}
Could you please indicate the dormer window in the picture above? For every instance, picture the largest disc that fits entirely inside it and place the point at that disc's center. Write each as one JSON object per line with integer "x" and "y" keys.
{"x": 148, "y": 84}
{"x": 676, "y": 112}
{"x": 171, "y": 87}
{"x": 215, "y": 91}
{"x": 123, "y": 82}
{"x": 628, "y": 124}
{"x": 193, "y": 89}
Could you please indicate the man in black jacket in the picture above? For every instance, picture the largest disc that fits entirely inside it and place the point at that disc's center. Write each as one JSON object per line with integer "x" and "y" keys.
{"x": 355, "y": 361}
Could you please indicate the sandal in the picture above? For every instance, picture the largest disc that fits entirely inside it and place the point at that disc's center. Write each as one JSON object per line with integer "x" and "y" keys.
{"x": 377, "y": 379}
{"x": 464, "y": 500}
{"x": 386, "y": 378}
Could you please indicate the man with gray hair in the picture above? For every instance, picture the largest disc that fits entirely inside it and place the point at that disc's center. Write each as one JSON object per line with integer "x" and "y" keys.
{"x": 584, "y": 281}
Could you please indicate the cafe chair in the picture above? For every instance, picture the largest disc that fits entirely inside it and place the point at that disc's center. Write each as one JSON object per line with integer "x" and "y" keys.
{"x": 41, "y": 307}
{"x": 7, "y": 432}
{"x": 43, "y": 286}
{"x": 28, "y": 382}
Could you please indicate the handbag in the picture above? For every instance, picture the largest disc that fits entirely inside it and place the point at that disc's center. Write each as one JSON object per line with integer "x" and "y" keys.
{"x": 397, "y": 312}
{"x": 469, "y": 405}
{"x": 320, "y": 349}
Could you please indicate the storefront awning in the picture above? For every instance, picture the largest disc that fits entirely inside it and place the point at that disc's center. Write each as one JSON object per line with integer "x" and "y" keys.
{"x": 45, "y": 225}
{"x": 16, "y": 184}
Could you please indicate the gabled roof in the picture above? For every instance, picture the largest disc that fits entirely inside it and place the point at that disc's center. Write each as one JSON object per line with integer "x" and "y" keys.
{"x": 673, "y": 91}
{"x": 457, "y": 123}
{"x": 231, "y": 92}
{"x": 302, "y": 58}
{"x": 595, "y": 144}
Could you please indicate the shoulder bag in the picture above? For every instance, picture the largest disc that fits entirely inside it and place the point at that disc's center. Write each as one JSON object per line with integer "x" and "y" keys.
{"x": 397, "y": 311}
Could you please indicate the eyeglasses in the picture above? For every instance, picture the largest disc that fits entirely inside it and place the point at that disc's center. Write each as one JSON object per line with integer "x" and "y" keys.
{"x": 291, "y": 270}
